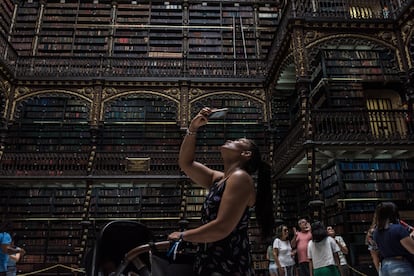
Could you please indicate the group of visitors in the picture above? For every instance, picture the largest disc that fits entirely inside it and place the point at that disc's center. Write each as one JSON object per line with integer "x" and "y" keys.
{"x": 317, "y": 251}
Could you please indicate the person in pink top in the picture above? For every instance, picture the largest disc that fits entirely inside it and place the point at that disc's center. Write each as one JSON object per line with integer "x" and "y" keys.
{"x": 300, "y": 241}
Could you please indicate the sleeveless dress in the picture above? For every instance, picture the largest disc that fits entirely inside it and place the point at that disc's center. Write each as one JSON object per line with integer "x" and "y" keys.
{"x": 231, "y": 255}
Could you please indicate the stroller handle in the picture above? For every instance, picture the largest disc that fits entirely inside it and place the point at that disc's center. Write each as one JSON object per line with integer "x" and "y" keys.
{"x": 135, "y": 252}
{"x": 133, "y": 256}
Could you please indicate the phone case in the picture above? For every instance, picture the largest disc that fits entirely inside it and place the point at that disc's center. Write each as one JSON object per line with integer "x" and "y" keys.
{"x": 218, "y": 113}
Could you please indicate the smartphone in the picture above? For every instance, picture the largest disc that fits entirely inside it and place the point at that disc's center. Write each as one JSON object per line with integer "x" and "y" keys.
{"x": 218, "y": 113}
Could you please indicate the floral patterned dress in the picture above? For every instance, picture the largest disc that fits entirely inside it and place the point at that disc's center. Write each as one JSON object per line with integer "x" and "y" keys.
{"x": 231, "y": 255}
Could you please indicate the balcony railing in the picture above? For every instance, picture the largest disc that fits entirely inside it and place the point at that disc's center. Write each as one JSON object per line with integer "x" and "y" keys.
{"x": 347, "y": 127}
{"x": 349, "y": 9}
{"x": 115, "y": 67}
{"x": 373, "y": 126}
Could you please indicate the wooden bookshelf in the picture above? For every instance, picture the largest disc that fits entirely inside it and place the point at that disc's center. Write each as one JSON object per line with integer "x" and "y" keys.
{"x": 6, "y": 10}
{"x": 131, "y": 30}
{"x": 230, "y": 30}
{"x": 46, "y": 217}
{"x": 268, "y": 15}
{"x": 139, "y": 127}
{"x": 165, "y": 37}
{"x": 206, "y": 40}
{"x": 92, "y": 28}
{"x": 49, "y": 136}
{"x": 341, "y": 94}
{"x": 24, "y": 31}
{"x": 281, "y": 118}
{"x": 148, "y": 201}
{"x": 339, "y": 76}
{"x": 136, "y": 29}
{"x": 291, "y": 200}
{"x": 366, "y": 65}
{"x": 57, "y": 31}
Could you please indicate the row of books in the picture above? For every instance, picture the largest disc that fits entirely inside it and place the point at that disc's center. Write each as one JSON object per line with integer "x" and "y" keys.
{"x": 103, "y": 15}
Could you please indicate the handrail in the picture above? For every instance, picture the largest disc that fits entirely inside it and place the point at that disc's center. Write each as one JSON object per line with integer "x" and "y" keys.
{"x": 349, "y": 9}
{"x": 133, "y": 256}
{"x": 135, "y": 252}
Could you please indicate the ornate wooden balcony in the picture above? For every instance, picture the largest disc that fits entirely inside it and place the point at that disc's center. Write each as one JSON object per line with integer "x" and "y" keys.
{"x": 118, "y": 68}
{"x": 354, "y": 130}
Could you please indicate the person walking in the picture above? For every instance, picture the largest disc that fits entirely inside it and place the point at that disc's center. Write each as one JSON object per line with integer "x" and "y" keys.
{"x": 300, "y": 242}
{"x": 395, "y": 245}
{"x": 344, "y": 269}
{"x": 283, "y": 253}
{"x": 322, "y": 252}
{"x": 223, "y": 236}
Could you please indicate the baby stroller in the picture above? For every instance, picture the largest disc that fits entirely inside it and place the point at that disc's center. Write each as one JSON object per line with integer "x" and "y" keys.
{"x": 113, "y": 241}
{"x": 126, "y": 248}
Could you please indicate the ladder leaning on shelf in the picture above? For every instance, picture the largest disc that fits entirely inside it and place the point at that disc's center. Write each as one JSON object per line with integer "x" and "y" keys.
{"x": 234, "y": 45}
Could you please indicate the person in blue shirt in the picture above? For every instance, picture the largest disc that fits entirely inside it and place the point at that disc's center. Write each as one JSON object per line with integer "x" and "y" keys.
{"x": 13, "y": 259}
{"x": 6, "y": 249}
{"x": 394, "y": 242}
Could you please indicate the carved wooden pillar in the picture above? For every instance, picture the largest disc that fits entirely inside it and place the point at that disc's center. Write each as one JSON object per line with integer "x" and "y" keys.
{"x": 408, "y": 85}
{"x": 303, "y": 90}
{"x": 6, "y": 89}
{"x": 96, "y": 104}
{"x": 184, "y": 104}
{"x": 95, "y": 120}
{"x": 299, "y": 52}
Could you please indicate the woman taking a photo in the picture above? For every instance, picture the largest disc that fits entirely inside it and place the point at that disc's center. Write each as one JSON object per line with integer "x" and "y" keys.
{"x": 223, "y": 237}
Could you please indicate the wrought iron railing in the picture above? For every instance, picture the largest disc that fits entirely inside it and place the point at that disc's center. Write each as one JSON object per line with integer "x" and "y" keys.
{"x": 115, "y": 67}
{"x": 376, "y": 126}
{"x": 346, "y": 127}
{"x": 349, "y": 9}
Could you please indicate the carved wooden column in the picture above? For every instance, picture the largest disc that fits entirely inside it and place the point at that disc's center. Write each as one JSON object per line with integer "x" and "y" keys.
{"x": 6, "y": 90}
{"x": 303, "y": 90}
{"x": 408, "y": 85}
{"x": 184, "y": 108}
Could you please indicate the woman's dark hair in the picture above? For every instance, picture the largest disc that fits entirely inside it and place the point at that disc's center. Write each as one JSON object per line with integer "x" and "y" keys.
{"x": 318, "y": 231}
{"x": 386, "y": 212}
{"x": 264, "y": 194}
